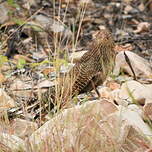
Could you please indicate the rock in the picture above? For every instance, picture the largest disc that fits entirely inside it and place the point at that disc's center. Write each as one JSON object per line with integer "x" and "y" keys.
{"x": 105, "y": 92}
{"x": 34, "y": 29}
{"x": 147, "y": 109}
{"x": 6, "y": 101}
{"x": 138, "y": 129}
{"x": 93, "y": 126}
{"x": 20, "y": 85}
{"x": 13, "y": 143}
{"x": 27, "y": 4}
{"x": 132, "y": 114}
{"x": 135, "y": 92}
{"x": 116, "y": 98}
{"x": 72, "y": 126}
{"x": 113, "y": 85}
{"x": 48, "y": 23}
{"x": 140, "y": 66}
{"x": 68, "y": 1}
{"x": 21, "y": 89}
{"x": 111, "y": 93}
{"x": 136, "y": 108}
{"x": 23, "y": 128}
{"x": 123, "y": 78}
{"x": 88, "y": 3}
{"x": 39, "y": 55}
{"x": 136, "y": 142}
{"x": 3, "y": 13}
{"x": 44, "y": 84}
{"x": 43, "y": 27}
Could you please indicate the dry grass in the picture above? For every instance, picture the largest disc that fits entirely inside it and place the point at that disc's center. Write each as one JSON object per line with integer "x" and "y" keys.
{"x": 58, "y": 47}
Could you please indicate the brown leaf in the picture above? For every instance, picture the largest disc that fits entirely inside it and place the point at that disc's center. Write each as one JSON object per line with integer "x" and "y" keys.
{"x": 142, "y": 27}
{"x": 126, "y": 47}
{"x": 46, "y": 71}
{"x": 23, "y": 57}
{"x": 2, "y": 78}
{"x": 113, "y": 85}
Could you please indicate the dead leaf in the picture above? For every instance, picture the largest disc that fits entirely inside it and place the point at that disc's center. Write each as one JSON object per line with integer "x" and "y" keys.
{"x": 102, "y": 27}
{"x": 2, "y": 78}
{"x": 141, "y": 7}
{"x": 46, "y": 71}
{"x": 113, "y": 85}
{"x": 6, "y": 101}
{"x": 128, "y": 9}
{"x": 142, "y": 27}
{"x": 85, "y": 2}
{"x": 105, "y": 93}
{"x": 126, "y": 47}
{"x": 17, "y": 57}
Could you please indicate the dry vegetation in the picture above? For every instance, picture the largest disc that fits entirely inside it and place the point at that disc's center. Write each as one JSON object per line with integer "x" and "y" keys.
{"x": 39, "y": 41}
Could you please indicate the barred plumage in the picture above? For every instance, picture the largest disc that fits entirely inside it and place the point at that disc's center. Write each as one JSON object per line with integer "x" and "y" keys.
{"x": 90, "y": 71}
{"x": 93, "y": 66}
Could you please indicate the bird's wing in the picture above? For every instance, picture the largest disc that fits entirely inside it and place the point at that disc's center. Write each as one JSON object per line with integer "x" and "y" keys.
{"x": 83, "y": 75}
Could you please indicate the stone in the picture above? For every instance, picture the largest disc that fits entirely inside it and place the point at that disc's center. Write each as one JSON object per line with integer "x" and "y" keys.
{"x": 13, "y": 143}
{"x": 93, "y": 126}
{"x": 113, "y": 85}
{"x": 49, "y": 23}
{"x": 3, "y": 13}
{"x": 105, "y": 93}
{"x": 44, "y": 27}
{"x": 133, "y": 114}
{"x": 27, "y": 4}
{"x": 44, "y": 84}
{"x": 88, "y": 3}
{"x": 141, "y": 67}
{"x": 72, "y": 126}
{"x": 21, "y": 89}
{"x": 23, "y": 128}
{"x": 20, "y": 85}
{"x": 147, "y": 109}
{"x": 135, "y": 92}
{"x": 137, "y": 131}
{"x": 116, "y": 98}
{"x": 6, "y": 101}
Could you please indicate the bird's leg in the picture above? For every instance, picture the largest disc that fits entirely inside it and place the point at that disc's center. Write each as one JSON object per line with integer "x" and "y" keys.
{"x": 95, "y": 88}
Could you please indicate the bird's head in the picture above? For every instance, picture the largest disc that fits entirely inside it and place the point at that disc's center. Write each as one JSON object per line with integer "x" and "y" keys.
{"x": 104, "y": 38}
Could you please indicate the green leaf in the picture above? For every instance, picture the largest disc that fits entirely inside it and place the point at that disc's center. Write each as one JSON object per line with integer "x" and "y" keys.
{"x": 3, "y": 59}
{"x": 13, "y": 4}
{"x": 40, "y": 63}
{"x": 35, "y": 27}
{"x": 58, "y": 62}
{"x": 18, "y": 21}
{"x": 21, "y": 63}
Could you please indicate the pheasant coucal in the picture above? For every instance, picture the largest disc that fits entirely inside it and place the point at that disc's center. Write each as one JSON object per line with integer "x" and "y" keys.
{"x": 93, "y": 67}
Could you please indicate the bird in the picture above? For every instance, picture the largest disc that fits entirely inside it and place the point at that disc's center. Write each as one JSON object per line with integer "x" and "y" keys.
{"x": 92, "y": 68}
